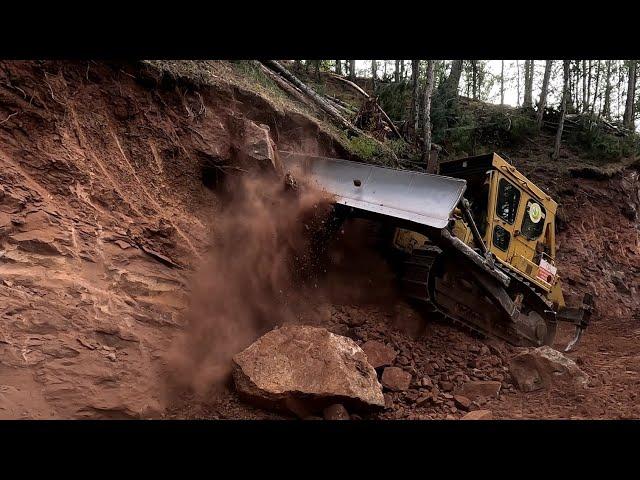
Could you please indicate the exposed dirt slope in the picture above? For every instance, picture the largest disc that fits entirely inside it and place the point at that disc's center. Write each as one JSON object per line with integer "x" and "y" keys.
{"x": 108, "y": 177}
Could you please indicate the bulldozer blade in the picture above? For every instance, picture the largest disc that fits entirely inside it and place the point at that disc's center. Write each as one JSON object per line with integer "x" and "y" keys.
{"x": 416, "y": 197}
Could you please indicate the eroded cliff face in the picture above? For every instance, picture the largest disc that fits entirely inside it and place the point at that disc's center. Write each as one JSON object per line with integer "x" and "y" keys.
{"x": 111, "y": 177}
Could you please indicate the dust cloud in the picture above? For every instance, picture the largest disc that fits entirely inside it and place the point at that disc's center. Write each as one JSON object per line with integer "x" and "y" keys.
{"x": 260, "y": 253}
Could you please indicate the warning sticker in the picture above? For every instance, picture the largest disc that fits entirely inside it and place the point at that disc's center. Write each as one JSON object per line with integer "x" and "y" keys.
{"x": 546, "y": 271}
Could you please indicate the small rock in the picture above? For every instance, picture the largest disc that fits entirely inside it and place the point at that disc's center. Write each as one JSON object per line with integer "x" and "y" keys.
{"x": 480, "y": 388}
{"x": 478, "y": 415}
{"x": 427, "y": 382}
{"x": 335, "y": 412}
{"x": 423, "y": 400}
{"x": 396, "y": 379}
{"x": 402, "y": 360}
{"x": 379, "y": 354}
{"x": 111, "y": 356}
{"x": 446, "y": 386}
{"x": 462, "y": 402}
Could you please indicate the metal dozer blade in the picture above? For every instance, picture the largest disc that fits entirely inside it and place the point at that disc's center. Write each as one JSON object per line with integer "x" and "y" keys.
{"x": 416, "y": 197}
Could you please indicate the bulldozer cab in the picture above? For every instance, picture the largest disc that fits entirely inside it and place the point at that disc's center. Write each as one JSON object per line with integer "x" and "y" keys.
{"x": 515, "y": 218}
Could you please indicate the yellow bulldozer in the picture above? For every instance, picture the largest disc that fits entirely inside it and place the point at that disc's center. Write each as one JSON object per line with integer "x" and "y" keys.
{"x": 474, "y": 242}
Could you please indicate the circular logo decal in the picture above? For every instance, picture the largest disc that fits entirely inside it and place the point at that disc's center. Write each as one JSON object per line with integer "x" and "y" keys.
{"x": 535, "y": 212}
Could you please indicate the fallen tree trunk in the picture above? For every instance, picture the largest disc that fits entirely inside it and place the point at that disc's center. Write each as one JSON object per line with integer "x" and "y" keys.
{"x": 287, "y": 87}
{"x": 366, "y": 95}
{"x": 317, "y": 99}
{"x": 294, "y": 84}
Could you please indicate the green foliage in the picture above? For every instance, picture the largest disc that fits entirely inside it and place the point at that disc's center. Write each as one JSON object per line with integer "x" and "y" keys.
{"x": 522, "y": 127}
{"x": 395, "y": 99}
{"x": 601, "y": 146}
{"x": 364, "y": 147}
{"x": 404, "y": 150}
{"x": 250, "y": 70}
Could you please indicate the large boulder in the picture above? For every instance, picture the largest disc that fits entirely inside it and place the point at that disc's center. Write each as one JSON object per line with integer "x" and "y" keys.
{"x": 537, "y": 368}
{"x": 299, "y": 364}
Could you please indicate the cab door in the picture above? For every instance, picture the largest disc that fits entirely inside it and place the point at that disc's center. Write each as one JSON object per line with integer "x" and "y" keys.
{"x": 532, "y": 252}
{"x": 531, "y": 230}
{"x": 505, "y": 202}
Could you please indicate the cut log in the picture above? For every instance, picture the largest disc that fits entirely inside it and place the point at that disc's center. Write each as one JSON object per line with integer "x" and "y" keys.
{"x": 287, "y": 87}
{"x": 366, "y": 95}
{"x": 317, "y": 99}
{"x": 322, "y": 103}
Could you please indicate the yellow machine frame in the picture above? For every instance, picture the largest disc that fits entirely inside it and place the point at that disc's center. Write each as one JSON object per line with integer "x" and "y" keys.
{"x": 521, "y": 252}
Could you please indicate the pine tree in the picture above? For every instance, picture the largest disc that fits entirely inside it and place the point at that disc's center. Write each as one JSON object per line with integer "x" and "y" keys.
{"x": 426, "y": 127}
{"x": 374, "y": 74}
{"x": 606, "y": 107}
{"x": 415, "y": 98}
{"x": 563, "y": 109}
{"x": 629, "y": 109}
{"x": 502, "y": 84}
{"x": 542, "y": 103}
{"x": 528, "y": 84}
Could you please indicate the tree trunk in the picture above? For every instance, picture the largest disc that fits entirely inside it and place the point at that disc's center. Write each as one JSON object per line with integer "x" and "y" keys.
{"x": 606, "y": 107}
{"x": 502, "y": 84}
{"x": 595, "y": 91}
{"x": 415, "y": 99}
{"x": 317, "y": 68}
{"x": 374, "y": 74}
{"x": 542, "y": 103}
{"x": 528, "y": 84}
{"x": 474, "y": 78}
{"x": 451, "y": 84}
{"x": 563, "y": 110}
{"x": 396, "y": 72}
{"x": 584, "y": 86}
{"x": 629, "y": 113}
{"x": 518, "y": 81}
{"x": 312, "y": 94}
{"x": 352, "y": 70}
{"x": 402, "y": 69}
{"x": 339, "y": 67}
{"x": 588, "y": 105}
{"x": 426, "y": 128}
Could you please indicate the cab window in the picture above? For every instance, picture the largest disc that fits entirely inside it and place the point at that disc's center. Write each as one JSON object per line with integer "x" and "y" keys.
{"x": 508, "y": 201}
{"x": 501, "y": 238}
{"x": 533, "y": 221}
